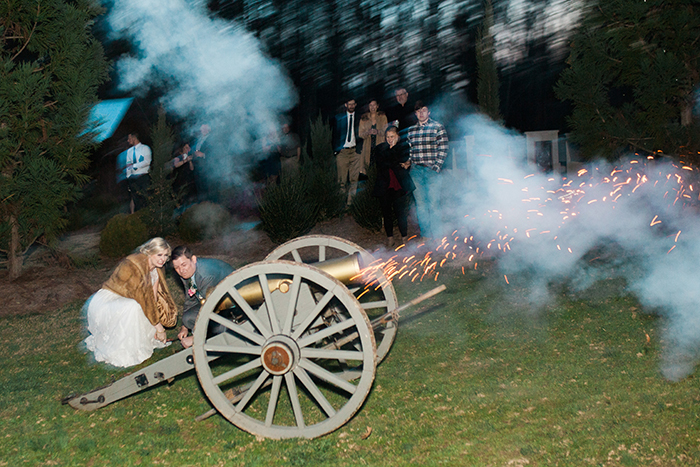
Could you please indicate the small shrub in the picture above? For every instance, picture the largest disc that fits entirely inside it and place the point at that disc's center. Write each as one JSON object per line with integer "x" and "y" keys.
{"x": 365, "y": 208}
{"x": 325, "y": 191}
{"x": 320, "y": 166}
{"x": 287, "y": 210}
{"x": 202, "y": 221}
{"x": 122, "y": 234}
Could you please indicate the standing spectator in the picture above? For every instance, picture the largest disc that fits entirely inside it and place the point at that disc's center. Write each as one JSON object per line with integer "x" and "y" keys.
{"x": 183, "y": 171}
{"x": 138, "y": 164}
{"x": 372, "y": 127}
{"x": 290, "y": 152}
{"x": 401, "y": 113}
{"x": 347, "y": 145}
{"x": 428, "y": 145}
{"x": 393, "y": 183}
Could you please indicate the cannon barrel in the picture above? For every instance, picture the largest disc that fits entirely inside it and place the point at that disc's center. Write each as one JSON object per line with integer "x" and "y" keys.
{"x": 346, "y": 269}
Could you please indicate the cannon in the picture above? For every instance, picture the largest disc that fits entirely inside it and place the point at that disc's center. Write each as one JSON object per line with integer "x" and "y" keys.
{"x": 305, "y": 331}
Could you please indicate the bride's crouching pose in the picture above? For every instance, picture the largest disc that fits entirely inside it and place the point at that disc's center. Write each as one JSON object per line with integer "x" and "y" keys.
{"x": 127, "y": 317}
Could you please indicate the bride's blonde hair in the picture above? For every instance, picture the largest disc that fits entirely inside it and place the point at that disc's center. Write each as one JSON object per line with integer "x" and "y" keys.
{"x": 154, "y": 246}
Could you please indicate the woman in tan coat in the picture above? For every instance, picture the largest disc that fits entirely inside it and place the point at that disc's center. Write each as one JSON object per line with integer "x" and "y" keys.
{"x": 127, "y": 317}
{"x": 372, "y": 127}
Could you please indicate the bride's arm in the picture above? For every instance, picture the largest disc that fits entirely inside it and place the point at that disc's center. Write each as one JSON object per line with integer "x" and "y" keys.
{"x": 160, "y": 330}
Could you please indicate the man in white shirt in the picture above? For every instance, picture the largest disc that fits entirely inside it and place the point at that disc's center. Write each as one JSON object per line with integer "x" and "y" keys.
{"x": 347, "y": 146}
{"x": 138, "y": 163}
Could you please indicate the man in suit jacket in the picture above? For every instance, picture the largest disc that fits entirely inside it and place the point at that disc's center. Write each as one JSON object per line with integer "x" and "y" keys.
{"x": 198, "y": 276}
{"x": 401, "y": 113}
{"x": 347, "y": 146}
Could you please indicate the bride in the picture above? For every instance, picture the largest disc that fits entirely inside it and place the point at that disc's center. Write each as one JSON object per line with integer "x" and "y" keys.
{"x": 127, "y": 317}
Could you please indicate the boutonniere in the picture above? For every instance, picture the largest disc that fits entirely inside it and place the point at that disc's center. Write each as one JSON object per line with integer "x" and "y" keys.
{"x": 190, "y": 292}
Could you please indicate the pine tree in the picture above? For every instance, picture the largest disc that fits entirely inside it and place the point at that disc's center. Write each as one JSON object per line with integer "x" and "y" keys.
{"x": 487, "y": 82}
{"x": 50, "y": 70}
{"x": 162, "y": 201}
{"x": 632, "y": 75}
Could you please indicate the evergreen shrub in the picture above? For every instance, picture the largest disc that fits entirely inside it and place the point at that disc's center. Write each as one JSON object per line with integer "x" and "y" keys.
{"x": 365, "y": 208}
{"x": 122, "y": 234}
{"x": 288, "y": 210}
{"x": 203, "y": 221}
{"x": 324, "y": 190}
{"x": 298, "y": 203}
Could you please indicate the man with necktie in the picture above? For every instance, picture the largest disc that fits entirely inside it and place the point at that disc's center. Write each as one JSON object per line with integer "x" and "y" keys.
{"x": 199, "y": 276}
{"x": 347, "y": 146}
{"x": 138, "y": 164}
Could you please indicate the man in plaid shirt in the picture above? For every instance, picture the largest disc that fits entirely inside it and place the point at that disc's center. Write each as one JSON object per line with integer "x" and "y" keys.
{"x": 428, "y": 143}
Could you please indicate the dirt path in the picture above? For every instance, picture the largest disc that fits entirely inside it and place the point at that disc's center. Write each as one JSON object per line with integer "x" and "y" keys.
{"x": 49, "y": 283}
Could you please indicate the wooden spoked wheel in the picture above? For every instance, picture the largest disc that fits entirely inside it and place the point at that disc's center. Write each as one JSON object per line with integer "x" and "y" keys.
{"x": 275, "y": 370}
{"x": 378, "y": 300}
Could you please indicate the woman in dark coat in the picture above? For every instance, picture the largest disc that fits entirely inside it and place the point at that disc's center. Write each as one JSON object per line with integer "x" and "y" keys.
{"x": 393, "y": 183}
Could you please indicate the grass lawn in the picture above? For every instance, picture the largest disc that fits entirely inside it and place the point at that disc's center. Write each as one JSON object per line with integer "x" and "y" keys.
{"x": 479, "y": 378}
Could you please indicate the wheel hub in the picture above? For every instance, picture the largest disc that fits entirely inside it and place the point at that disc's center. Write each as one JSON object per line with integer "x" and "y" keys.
{"x": 279, "y": 355}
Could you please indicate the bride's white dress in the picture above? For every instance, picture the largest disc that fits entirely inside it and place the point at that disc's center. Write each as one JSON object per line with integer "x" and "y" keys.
{"x": 120, "y": 334}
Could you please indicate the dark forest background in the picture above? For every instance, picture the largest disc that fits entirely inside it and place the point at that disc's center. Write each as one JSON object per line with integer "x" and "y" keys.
{"x": 335, "y": 49}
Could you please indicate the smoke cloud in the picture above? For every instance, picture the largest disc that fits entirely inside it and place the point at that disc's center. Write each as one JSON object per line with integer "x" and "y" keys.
{"x": 640, "y": 215}
{"x": 211, "y": 72}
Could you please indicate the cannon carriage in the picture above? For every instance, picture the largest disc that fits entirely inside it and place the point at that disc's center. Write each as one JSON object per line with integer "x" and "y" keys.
{"x": 305, "y": 331}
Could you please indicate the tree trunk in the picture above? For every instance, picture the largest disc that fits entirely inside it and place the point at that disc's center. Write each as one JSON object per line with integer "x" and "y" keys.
{"x": 14, "y": 255}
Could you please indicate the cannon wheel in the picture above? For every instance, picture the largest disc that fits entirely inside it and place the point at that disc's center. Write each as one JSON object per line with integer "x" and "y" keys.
{"x": 317, "y": 248}
{"x": 280, "y": 354}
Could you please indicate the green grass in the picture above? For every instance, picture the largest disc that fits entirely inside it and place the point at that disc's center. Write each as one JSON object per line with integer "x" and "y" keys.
{"x": 480, "y": 378}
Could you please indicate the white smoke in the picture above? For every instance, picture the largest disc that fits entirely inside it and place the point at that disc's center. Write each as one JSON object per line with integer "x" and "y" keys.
{"x": 545, "y": 227}
{"x": 212, "y": 71}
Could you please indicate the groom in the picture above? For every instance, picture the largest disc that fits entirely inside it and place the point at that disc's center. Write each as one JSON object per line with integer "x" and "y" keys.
{"x": 198, "y": 276}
